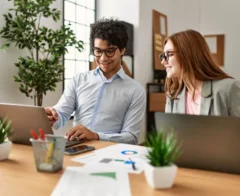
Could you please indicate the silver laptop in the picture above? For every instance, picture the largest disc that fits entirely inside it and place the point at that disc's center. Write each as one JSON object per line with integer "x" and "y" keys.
{"x": 25, "y": 118}
{"x": 208, "y": 142}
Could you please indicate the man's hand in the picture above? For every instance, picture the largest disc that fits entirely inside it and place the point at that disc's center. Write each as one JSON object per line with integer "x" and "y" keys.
{"x": 52, "y": 115}
{"x": 81, "y": 132}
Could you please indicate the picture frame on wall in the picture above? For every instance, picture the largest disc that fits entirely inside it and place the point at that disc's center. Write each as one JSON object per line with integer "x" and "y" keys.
{"x": 159, "y": 33}
{"x": 216, "y": 46}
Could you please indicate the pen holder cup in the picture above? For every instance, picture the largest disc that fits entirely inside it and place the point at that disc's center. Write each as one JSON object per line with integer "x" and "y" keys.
{"x": 49, "y": 153}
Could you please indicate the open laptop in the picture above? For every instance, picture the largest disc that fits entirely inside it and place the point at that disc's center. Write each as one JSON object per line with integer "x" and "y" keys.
{"x": 208, "y": 142}
{"x": 25, "y": 118}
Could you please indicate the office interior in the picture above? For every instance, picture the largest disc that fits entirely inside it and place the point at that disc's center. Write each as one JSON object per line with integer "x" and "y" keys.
{"x": 205, "y": 16}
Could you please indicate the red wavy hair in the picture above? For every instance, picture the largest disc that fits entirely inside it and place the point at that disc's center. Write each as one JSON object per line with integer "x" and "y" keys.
{"x": 195, "y": 61}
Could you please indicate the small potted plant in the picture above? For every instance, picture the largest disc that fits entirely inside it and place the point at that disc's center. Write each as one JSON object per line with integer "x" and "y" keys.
{"x": 160, "y": 171}
{"x": 5, "y": 144}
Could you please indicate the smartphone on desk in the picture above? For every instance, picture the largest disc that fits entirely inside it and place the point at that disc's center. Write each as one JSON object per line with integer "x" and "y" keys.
{"x": 70, "y": 143}
{"x": 78, "y": 149}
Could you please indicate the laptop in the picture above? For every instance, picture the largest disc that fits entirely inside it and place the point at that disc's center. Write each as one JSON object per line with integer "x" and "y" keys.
{"x": 26, "y": 118}
{"x": 208, "y": 142}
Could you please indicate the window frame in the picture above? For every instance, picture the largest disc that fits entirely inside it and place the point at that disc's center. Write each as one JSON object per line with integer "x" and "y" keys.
{"x": 88, "y": 43}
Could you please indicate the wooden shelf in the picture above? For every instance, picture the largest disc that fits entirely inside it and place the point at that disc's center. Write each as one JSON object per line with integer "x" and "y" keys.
{"x": 157, "y": 84}
{"x": 157, "y": 102}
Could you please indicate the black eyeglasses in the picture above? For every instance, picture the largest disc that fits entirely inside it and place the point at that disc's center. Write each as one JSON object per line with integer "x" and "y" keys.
{"x": 166, "y": 55}
{"x": 110, "y": 52}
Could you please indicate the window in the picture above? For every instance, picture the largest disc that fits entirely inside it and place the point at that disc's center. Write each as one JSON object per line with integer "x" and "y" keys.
{"x": 79, "y": 14}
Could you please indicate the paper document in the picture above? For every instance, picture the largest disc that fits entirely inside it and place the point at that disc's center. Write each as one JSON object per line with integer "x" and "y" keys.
{"x": 123, "y": 151}
{"x": 91, "y": 181}
{"x": 212, "y": 44}
{"x": 120, "y": 156}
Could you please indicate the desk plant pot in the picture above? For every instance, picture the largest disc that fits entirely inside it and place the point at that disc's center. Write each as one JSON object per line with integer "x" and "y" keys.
{"x": 5, "y": 149}
{"x": 160, "y": 177}
{"x": 163, "y": 151}
{"x": 5, "y": 144}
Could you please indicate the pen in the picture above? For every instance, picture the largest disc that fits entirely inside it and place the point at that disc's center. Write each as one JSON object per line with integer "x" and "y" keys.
{"x": 34, "y": 134}
{"x": 133, "y": 164}
{"x": 50, "y": 151}
{"x": 42, "y": 134}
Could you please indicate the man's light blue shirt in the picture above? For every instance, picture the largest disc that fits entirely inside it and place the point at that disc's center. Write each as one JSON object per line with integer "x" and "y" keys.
{"x": 113, "y": 108}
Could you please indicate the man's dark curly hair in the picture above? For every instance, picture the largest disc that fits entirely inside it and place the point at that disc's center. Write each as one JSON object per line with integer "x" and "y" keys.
{"x": 111, "y": 30}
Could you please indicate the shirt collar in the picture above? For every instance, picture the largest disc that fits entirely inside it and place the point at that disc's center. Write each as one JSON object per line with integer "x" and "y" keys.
{"x": 96, "y": 71}
{"x": 120, "y": 72}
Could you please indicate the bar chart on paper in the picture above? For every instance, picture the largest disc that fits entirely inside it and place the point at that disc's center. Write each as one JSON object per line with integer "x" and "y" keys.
{"x": 89, "y": 181}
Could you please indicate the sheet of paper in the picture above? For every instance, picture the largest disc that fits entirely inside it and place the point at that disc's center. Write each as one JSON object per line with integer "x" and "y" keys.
{"x": 158, "y": 37}
{"x": 123, "y": 151}
{"x": 158, "y": 43}
{"x": 162, "y": 25}
{"x": 91, "y": 181}
{"x": 212, "y": 44}
{"x": 159, "y": 49}
{"x": 85, "y": 159}
{"x": 119, "y": 155}
{"x": 102, "y": 161}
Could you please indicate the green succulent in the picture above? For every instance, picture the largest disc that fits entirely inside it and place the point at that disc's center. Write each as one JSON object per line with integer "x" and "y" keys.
{"x": 5, "y": 129}
{"x": 164, "y": 149}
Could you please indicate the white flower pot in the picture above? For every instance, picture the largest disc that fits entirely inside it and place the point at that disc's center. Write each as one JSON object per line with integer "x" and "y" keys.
{"x": 160, "y": 177}
{"x": 5, "y": 148}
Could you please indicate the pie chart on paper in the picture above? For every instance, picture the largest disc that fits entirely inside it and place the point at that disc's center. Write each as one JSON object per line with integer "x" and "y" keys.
{"x": 129, "y": 152}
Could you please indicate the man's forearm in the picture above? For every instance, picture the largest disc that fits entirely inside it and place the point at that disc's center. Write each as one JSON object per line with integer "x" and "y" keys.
{"x": 124, "y": 137}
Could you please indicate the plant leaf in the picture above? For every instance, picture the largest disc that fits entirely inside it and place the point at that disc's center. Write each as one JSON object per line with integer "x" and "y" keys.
{"x": 163, "y": 148}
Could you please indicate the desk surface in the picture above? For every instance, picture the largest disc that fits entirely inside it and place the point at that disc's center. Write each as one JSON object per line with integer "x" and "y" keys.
{"x": 18, "y": 176}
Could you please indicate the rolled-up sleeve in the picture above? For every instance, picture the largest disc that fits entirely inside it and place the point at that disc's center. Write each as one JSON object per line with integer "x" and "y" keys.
{"x": 66, "y": 105}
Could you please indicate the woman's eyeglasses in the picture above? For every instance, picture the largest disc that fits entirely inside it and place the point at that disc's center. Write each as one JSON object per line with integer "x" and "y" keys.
{"x": 166, "y": 55}
{"x": 110, "y": 52}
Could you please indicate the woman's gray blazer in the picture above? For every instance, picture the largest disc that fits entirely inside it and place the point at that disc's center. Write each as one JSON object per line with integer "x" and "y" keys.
{"x": 219, "y": 98}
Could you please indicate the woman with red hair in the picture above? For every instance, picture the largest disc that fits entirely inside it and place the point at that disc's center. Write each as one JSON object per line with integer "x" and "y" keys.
{"x": 195, "y": 84}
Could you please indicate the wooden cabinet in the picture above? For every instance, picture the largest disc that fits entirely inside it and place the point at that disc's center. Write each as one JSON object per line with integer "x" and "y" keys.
{"x": 156, "y": 100}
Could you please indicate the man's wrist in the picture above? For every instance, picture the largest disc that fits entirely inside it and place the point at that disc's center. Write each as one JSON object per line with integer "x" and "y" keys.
{"x": 96, "y": 136}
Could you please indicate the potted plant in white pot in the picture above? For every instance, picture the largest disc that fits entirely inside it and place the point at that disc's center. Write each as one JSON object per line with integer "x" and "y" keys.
{"x": 5, "y": 144}
{"x": 160, "y": 171}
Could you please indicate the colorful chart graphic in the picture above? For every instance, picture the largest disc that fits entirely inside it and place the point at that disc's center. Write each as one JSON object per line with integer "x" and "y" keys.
{"x": 129, "y": 162}
{"x": 129, "y": 152}
{"x": 105, "y": 174}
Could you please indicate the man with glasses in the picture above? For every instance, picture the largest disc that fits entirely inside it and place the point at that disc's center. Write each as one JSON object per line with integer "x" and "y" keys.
{"x": 107, "y": 104}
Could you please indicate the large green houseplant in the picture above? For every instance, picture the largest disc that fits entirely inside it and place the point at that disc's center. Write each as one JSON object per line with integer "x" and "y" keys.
{"x": 5, "y": 144}
{"x": 164, "y": 150}
{"x": 42, "y": 69}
